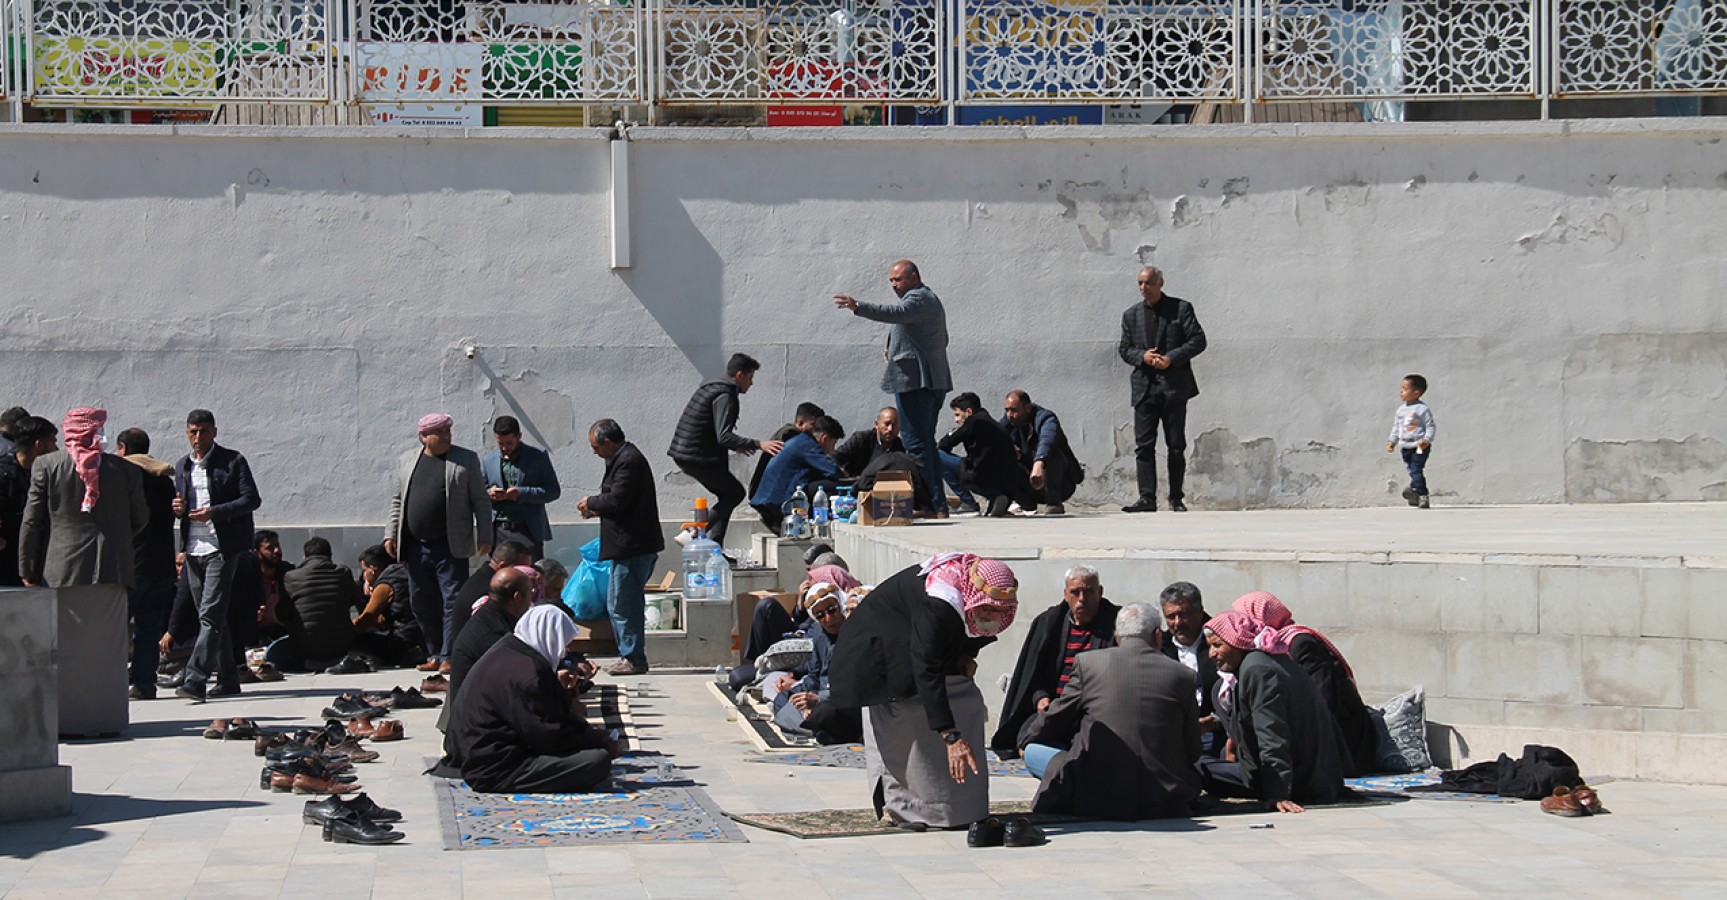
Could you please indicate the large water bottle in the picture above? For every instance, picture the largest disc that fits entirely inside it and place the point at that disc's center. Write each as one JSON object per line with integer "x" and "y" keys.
{"x": 718, "y": 569}
{"x": 821, "y": 515}
{"x": 695, "y": 559}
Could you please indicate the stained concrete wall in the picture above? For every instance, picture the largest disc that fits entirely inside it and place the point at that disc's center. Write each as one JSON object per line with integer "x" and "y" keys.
{"x": 1557, "y": 283}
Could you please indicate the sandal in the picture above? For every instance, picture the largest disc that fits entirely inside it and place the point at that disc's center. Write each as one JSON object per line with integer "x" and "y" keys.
{"x": 240, "y": 730}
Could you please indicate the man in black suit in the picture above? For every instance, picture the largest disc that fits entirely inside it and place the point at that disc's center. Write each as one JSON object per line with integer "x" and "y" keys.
{"x": 1128, "y": 723}
{"x": 1184, "y": 642}
{"x": 1159, "y": 338}
{"x": 1083, "y": 621}
{"x": 215, "y": 498}
{"x": 630, "y": 537}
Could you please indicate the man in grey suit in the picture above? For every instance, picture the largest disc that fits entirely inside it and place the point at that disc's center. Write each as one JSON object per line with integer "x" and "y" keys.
{"x": 917, "y": 371}
{"x": 84, "y": 510}
{"x": 439, "y": 518}
{"x": 1130, "y": 725}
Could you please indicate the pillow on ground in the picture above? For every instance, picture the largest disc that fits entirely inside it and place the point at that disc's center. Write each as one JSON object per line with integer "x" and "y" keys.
{"x": 1402, "y": 726}
{"x": 785, "y": 655}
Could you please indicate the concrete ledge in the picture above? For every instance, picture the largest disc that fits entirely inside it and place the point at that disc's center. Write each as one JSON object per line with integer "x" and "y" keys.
{"x": 35, "y": 793}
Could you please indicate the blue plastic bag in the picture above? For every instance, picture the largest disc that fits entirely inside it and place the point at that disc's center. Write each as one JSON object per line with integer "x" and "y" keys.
{"x": 585, "y": 594}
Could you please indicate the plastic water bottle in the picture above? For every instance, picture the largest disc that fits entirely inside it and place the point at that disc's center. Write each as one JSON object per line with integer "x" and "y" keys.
{"x": 822, "y": 515}
{"x": 714, "y": 576}
{"x": 801, "y": 513}
{"x": 722, "y": 675}
{"x": 695, "y": 559}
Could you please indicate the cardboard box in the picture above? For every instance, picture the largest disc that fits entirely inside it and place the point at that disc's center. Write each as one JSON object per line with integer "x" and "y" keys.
{"x": 889, "y": 502}
{"x": 746, "y": 603}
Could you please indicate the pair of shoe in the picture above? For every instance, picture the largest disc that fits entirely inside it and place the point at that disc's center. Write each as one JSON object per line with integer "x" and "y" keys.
{"x": 412, "y": 698}
{"x": 1052, "y": 509}
{"x": 192, "y": 691}
{"x": 173, "y": 680}
{"x": 1015, "y": 832}
{"x": 349, "y": 826}
{"x": 625, "y": 667}
{"x": 435, "y": 684}
{"x": 1149, "y": 505}
{"x": 1573, "y": 801}
{"x": 353, "y": 706}
{"x": 352, "y": 664}
{"x": 430, "y": 665}
{"x": 231, "y": 730}
{"x": 317, "y": 812}
{"x": 141, "y": 692}
{"x": 267, "y": 672}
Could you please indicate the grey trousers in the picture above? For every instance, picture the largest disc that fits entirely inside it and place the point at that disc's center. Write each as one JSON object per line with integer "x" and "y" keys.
{"x": 212, "y": 577}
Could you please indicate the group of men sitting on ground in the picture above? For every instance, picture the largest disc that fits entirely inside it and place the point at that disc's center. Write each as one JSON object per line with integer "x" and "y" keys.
{"x": 1023, "y": 458}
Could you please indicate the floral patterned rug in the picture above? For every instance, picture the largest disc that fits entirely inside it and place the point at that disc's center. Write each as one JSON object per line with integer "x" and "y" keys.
{"x": 647, "y": 800}
{"x": 851, "y": 756}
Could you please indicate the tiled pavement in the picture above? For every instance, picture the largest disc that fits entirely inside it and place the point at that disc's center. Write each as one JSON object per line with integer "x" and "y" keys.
{"x": 168, "y": 814}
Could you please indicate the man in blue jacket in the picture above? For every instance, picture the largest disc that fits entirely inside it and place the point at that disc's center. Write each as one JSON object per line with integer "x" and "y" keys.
{"x": 520, "y": 481}
{"x": 806, "y": 459}
{"x": 1043, "y": 451}
{"x": 214, "y": 500}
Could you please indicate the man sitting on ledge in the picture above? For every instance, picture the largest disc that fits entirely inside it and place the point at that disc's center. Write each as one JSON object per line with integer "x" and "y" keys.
{"x": 515, "y": 728}
{"x": 1082, "y": 621}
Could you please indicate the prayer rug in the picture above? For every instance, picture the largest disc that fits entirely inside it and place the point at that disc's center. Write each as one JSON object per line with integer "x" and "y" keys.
{"x": 609, "y": 707}
{"x": 1399, "y": 785}
{"x": 851, "y": 756}
{"x": 646, "y": 800}
{"x": 827, "y": 823}
{"x": 757, "y": 720}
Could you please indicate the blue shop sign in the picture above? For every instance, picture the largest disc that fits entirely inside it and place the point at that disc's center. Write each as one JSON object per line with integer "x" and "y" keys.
{"x": 1031, "y": 115}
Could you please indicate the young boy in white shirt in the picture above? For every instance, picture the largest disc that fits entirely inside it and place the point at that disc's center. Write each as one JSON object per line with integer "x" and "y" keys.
{"x": 1412, "y": 433}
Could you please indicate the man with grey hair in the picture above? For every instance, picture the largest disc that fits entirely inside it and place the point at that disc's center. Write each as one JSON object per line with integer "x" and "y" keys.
{"x": 630, "y": 537}
{"x": 1160, "y": 336}
{"x": 1081, "y": 622}
{"x": 1122, "y": 739}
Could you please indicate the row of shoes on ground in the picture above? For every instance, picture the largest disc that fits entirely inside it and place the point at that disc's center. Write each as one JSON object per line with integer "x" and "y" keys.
{"x": 333, "y": 739}
{"x": 353, "y": 820}
{"x": 1581, "y": 800}
{"x": 307, "y": 776}
{"x": 1015, "y": 832}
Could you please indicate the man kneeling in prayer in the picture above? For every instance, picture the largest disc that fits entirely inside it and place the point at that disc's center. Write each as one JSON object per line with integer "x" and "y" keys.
{"x": 515, "y": 728}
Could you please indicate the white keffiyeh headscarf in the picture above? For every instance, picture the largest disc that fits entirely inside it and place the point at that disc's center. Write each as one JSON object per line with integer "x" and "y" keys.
{"x": 548, "y": 630}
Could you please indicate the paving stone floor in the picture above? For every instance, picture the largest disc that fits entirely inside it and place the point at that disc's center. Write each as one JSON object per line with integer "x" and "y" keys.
{"x": 165, "y": 813}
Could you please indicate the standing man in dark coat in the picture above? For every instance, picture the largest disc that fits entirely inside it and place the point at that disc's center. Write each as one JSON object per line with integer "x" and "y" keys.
{"x": 84, "y": 511}
{"x": 32, "y": 436}
{"x": 1288, "y": 750}
{"x": 1083, "y": 621}
{"x": 153, "y": 550}
{"x": 1159, "y": 338}
{"x": 1129, "y": 722}
{"x": 630, "y": 537}
{"x": 216, "y": 498}
{"x": 917, "y": 370}
{"x": 706, "y": 432}
{"x": 520, "y": 481}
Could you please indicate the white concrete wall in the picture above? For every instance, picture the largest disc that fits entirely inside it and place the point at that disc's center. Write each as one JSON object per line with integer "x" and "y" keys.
{"x": 1558, "y": 284}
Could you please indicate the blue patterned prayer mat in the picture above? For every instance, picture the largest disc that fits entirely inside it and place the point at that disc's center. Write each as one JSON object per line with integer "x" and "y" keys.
{"x": 637, "y": 806}
{"x": 851, "y": 756}
{"x": 1400, "y": 785}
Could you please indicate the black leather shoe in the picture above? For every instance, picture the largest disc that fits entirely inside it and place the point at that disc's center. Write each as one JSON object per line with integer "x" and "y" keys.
{"x": 1145, "y": 504}
{"x": 985, "y": 833}
{"x": 346, "y": 707}
{"x": 369, "y": 808}
{"x": 1177, "y": 506}
{"x": 192, "y": 692}
{"x": 413, "y": 699}
{"x": 1021, "y": 833}
{"x": 352, "y": 664}
{"x": 317, "y": 812}
{"x": 141, "y": 692}
{"x": 225, "y": 690}
{"x": 349, "y": 827}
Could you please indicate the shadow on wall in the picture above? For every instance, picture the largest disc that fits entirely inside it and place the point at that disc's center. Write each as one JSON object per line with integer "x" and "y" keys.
{"x": 685, "y": 293}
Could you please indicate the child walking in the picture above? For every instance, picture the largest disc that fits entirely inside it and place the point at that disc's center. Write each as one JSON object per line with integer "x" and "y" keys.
{"x": 1412, "y": 433}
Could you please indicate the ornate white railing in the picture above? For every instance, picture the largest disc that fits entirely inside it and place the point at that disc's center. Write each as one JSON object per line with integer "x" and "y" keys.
{"x": 1639, "y": 46}
{"x": 554, "y": 51}
{"x": 166, "y": 52}
{"x": 787, "y": 51}
{"x": 1115, "y": 50}
{"x": 1398, "y": 49}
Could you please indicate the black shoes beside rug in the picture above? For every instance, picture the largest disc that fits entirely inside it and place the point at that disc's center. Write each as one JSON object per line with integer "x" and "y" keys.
{"x": 355, "y": 820}
{"x": 1015, "y": 832}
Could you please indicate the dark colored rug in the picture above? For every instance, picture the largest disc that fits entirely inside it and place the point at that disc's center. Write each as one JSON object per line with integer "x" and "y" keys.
{"x": 851, "y": 756}
{"x": 648, "y": 800}
{"x": 609, "y": 707}
{"x": 1399, "y": 785}
{"x": 757, "y": 720}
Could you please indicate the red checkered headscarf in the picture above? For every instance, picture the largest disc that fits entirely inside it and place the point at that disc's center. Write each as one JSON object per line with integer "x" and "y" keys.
{"x": 83, "y": 429}
{"x": 1267, "y": 611}
{"x": 971, "y": 585}
{"x": 1240, "y": 632}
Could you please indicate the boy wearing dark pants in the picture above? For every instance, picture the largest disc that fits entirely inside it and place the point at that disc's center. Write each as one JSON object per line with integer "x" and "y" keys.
{"x": 1412, "y": 433}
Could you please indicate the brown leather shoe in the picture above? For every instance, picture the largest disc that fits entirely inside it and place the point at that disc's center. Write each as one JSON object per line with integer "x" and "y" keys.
{"x": 306, "y": 784}
{"x": 437, "y": 684}
{"x": 1563, "y": 803}
{"x": 387, "y": 730}
{"x": 1588, "y": 799}
{"x": 353, "y": 751}
{"x": 218, "y": 730}
{"x": 625, "y": 667}
{"x": 361, "y": 728}
{"x": 430, "y": 665}
{"x": 445, "y": 668}
{"x": 281, "y": 782}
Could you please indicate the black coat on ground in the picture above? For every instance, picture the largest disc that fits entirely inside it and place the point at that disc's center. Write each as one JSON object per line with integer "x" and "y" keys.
{"x": 511, "y": 710}
{"x": 902, "y": 643}
{"x": 1038, "y": 672}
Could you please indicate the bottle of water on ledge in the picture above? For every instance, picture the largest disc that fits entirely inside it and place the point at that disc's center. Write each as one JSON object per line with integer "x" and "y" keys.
{"x": 695, "y": 560}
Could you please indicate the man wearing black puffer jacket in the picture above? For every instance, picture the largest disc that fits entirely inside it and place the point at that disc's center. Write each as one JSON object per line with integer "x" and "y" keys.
{"x": 318, "y": 611}
{"x": 705, "y": 434}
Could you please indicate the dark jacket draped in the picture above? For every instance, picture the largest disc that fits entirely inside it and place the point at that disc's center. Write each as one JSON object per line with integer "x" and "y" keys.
{"x": 1038, "y": 672}
{"x": 1286, "y": 740}
{"x": 1337, "y": 689}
